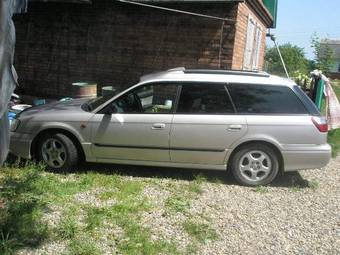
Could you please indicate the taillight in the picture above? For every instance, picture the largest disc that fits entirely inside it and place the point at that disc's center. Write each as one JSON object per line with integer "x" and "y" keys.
{"x": 320, "y": 123}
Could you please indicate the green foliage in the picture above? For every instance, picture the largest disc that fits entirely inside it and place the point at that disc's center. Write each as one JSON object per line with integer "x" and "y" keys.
{"x": 324, "y": 55}
{"x": 293, "y": 56}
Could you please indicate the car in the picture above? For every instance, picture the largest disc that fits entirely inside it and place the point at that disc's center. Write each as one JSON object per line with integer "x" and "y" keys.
{"x": 251, "y": 123}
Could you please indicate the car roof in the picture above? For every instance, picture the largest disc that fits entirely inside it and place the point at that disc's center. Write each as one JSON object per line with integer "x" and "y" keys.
{"x": 218, "y": 76}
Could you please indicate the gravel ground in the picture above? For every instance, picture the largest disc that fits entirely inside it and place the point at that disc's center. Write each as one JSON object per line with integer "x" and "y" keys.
{"x": 286, "y": 218}
{"x": 298, "y": 214}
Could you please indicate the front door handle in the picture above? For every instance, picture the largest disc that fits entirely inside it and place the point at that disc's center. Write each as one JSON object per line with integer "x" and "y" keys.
{"x": 158, "y": 126}
{"x": 235, "y": 128}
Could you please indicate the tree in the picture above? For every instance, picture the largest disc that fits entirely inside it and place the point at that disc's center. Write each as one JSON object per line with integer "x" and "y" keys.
{"x": 294, "y": 58}
{"x": 324, "y": 54}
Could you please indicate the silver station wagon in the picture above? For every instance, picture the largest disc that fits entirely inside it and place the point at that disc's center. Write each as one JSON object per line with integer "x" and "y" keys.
{"x": 251, "y": 123}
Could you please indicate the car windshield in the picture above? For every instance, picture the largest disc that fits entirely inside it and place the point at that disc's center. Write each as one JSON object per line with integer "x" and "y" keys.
{"x": 95, "y": 102}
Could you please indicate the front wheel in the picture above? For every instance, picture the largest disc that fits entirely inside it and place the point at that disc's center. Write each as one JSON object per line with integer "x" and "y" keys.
{"x": 255, "y": 165}
{"x": 58, "y": 152}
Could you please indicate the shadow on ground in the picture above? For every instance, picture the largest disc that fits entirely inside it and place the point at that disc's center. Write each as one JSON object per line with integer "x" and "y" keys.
{"x": 291, "y": 179}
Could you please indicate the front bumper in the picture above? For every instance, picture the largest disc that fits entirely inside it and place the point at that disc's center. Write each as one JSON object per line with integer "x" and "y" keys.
{"x": 307, "y": 158}
{"x": 20, "y": 144}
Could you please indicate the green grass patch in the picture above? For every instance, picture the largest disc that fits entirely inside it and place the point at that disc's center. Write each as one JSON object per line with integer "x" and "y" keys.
{"x": 22, "y": 205}
{"x": 195, "y": 186}
{"x": 203, "y": 233}
{"x": 178, "y": 203}
{"x": 138, "y": 241}
{"x": 68, "y": 228}
{"x": 334, "y": 141}
{"x": 83, "y": 246}
{"x": 28, "y": 193}
{"x": 261, "y": 189}
{"x": 313, "y": 185}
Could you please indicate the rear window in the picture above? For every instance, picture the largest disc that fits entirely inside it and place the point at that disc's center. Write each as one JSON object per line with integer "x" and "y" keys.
{"x": 264, "y": 99}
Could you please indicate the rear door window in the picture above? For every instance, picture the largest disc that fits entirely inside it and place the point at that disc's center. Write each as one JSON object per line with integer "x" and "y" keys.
{"x": 265, "y": 99}
{"x": 204, "y": 98}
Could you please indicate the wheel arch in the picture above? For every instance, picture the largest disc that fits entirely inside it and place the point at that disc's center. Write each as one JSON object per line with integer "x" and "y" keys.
{"x": 51, "y": 131}
{"x": 267, "y": 143}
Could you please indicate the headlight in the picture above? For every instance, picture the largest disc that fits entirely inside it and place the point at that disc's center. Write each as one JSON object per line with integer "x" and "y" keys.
{"x": 14, "y": 125}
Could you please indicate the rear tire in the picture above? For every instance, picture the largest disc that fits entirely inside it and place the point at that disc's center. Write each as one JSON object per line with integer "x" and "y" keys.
{"x": 254, "y": 165}
{"x": 58, "y": 152}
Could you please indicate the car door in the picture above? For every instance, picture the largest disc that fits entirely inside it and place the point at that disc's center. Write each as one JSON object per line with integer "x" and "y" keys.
{"x": 136, "y": 126}
{"x": 205, "y": 125}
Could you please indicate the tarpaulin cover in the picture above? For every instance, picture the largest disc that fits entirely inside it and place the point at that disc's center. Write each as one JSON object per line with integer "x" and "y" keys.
{"x": 8, "y": 77}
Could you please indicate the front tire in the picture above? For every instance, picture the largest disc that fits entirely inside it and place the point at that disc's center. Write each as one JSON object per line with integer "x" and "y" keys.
{"x": 58, "y": 152}
{"x": 255, "y": 165}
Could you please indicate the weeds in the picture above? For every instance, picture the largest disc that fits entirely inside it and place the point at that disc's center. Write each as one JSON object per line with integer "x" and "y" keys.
{"x": 199, "y": 231}
{"x": 261, "y": 189}
{"x": 178, "y": 203}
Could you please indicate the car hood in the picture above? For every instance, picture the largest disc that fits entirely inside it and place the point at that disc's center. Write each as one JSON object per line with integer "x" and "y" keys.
{"x": 56, "y": 108}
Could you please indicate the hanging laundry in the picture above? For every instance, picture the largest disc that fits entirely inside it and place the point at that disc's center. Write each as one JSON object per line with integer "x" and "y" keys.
{"x": 333, "y": 112}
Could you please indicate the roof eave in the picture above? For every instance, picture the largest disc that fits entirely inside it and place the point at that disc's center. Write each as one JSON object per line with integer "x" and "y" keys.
{"x": 262, "y": 11}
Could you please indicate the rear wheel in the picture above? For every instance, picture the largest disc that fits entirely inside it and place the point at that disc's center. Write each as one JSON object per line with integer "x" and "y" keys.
{"x": 254, "y": 165}
{"x": 58, "y": 152}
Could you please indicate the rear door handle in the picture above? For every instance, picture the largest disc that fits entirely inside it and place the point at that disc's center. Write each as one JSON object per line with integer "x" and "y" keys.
{"x": 235, "y": 128}
{"x": 158, "y": 126}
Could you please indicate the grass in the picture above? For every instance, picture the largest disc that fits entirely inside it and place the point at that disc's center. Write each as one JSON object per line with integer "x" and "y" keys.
{"x": 27, "y": 192}
{"x": 334, "y": 135}
{"x": 202, "y": 233}
{"x": 178, "y": 203}
{"x": 261, "y": 189}
{"x": 312, "y": 185}
{"x": 82, "y": 246}
{"x": 68, "y": 228}
{"x": 22, "y": 206}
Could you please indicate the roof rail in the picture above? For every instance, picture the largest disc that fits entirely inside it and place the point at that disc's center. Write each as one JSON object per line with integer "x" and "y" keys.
{"x": 231, "y": 72}
{"x": 177, "y": 69}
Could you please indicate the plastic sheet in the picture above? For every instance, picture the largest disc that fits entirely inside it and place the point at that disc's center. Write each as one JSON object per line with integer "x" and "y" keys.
{"x": 8, "y": 77}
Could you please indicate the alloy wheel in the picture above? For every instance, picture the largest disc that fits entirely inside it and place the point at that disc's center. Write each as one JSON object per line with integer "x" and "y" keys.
{"x": 54, "y": 153}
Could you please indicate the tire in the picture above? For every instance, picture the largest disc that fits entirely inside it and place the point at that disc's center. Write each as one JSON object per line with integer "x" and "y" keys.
{"x": 58, "y": 152}
{"x": 255, "y": 165}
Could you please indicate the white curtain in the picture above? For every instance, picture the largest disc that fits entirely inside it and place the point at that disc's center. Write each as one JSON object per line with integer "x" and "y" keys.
{"x": 8, "y": 78}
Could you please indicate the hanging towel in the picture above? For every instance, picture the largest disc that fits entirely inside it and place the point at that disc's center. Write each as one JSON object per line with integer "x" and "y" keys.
{"x": 333, "y": 107}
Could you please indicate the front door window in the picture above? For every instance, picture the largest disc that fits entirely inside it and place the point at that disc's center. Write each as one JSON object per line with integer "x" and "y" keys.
{"x": 147, "y": 99}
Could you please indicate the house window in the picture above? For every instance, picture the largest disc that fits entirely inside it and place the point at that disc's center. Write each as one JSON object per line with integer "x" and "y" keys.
{"x": 247, "y": 61}
{"x": 253, "y": 46}
{"x": 257, "y": 51}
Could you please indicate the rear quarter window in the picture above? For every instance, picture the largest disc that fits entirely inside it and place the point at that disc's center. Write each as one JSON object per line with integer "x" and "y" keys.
{"x": 265, "y": 99}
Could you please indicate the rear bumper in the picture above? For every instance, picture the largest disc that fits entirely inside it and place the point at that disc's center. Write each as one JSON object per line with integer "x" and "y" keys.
{"x": 20, "y": 145}
{"x": 307, "y": 158}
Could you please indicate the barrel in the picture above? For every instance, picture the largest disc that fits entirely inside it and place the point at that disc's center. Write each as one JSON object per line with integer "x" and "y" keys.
{"x": 84, "y": 89}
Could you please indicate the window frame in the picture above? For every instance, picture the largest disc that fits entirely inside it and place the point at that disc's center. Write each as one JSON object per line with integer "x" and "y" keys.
{"x": 271, "y": 114}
